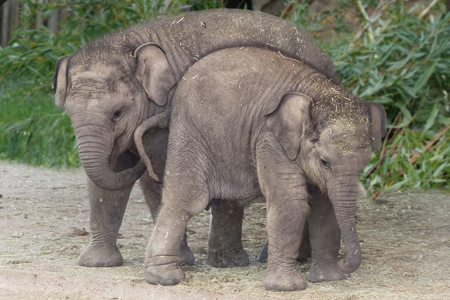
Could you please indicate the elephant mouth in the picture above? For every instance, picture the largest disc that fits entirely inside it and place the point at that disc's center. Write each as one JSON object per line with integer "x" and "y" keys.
{"x": 127, "y": 159}
{"x": 124, "y": 154}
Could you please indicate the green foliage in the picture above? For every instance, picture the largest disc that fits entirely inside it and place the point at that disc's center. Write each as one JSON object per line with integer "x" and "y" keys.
{"x": 178, "y": 6}
{"x": 404, "y": 63}
{"x": 401, "y": 59}
{"x": 411, "y": 160}
{"x": 390, "y": 52}
{"x": 33, "y": 130}
{"x": 32, "y": 52}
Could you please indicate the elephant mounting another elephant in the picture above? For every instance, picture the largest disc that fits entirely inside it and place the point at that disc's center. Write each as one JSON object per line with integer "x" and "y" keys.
{"x": 250, "y": 123}
{"x": 115, "y": 83}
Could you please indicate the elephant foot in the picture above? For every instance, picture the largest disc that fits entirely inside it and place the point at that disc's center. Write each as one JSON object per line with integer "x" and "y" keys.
{"x": 230, "y": 257}
{"x": 326, "y": 272}
{"x": 163, "y": 274}
{"x": 186, "y": 256}
{"x": 100, "y": 257}
{"x": 303, "y": 253}
{"x": 280, "y": 280}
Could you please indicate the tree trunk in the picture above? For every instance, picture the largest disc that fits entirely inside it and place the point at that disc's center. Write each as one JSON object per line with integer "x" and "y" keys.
{"x": 53, "y": 21}
{"x": 5, "y": 8}
{"x": 10, "y": 20}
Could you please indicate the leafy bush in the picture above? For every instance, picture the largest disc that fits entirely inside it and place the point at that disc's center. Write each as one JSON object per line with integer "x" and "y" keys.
{"x": 384, "y": 51}
{"x": 33, "y": 52}
{"x": 33, "y": 129}
{"x": 400, "y": 57}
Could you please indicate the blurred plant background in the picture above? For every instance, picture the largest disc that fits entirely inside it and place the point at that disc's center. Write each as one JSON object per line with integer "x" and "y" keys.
{"x": 396, "y": 53}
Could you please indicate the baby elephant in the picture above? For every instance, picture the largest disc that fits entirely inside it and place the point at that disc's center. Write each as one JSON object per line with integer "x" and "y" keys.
{"x": 248, "y": 123}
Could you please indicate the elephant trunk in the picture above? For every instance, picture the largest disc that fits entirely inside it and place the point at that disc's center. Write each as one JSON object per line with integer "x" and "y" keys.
{"x": 344, "y": 203}
{"x": 95, "y": 152}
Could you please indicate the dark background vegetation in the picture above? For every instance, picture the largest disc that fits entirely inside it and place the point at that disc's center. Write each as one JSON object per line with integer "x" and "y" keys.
{"x": 396, "y": 53}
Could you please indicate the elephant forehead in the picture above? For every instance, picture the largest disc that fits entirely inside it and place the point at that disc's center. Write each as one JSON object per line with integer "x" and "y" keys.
{"x": 96, "y": 83}
{"x": 347, "y": 136}
{"x": 99, "y": 78}
{"x": 97, "y": 94}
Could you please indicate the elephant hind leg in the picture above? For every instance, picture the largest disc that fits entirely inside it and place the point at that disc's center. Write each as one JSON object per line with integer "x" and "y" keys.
{"x": 305, "y": 247}
{"x": 225, "y": 245}
{"x": 186, "y": 256}
{"x": 303, "y": 253}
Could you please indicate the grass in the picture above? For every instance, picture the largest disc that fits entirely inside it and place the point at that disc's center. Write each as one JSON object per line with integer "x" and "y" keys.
{"x": 389, "y": 52}
{"x": 33, "y": 130}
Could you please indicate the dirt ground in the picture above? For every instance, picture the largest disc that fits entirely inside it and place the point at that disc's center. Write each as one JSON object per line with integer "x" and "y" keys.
{"x": 44, "y": 213}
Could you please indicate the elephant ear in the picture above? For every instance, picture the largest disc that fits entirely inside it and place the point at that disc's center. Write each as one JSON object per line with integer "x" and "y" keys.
{"x": 287, "y": 121}
{"x": 157, "y": 76}
{"x": 59, "y": 85}
{"x": 377, "y": 119}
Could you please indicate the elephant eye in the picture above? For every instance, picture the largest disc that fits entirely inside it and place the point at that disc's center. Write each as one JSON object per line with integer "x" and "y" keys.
{"x": 324, "y": 163}
{"x": 116, "y": 115}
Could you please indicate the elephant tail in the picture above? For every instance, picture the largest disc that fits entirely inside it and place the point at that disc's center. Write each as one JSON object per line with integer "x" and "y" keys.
{"x": 160, "y": 120}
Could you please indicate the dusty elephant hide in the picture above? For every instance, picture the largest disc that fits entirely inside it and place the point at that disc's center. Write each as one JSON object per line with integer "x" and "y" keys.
{"x": 248, "y": 123}
{"x": 113, "y": 84}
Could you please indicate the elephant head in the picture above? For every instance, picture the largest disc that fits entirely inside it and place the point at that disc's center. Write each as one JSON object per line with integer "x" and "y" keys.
{"x": 331, "y": 137}
{"x": 105, "y": 90}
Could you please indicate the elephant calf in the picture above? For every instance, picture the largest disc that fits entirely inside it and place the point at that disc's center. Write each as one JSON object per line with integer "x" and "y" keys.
{"x": 249, "y": 123}
{"x": 113, "y": 84}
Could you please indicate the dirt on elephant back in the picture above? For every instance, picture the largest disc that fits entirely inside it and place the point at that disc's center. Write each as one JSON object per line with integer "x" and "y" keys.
{"x": 44, "y": 213}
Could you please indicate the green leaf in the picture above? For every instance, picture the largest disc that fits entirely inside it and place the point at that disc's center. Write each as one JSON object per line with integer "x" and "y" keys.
{"x": 424, "y": 78}
{"x": 431, "y": 119}
{"x": 439, "y": 170}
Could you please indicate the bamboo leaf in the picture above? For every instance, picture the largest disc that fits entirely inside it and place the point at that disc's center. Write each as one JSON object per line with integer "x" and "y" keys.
{"x": 439, "y": 170}
{"x": 431, "y": 119}
{"x": 424, "y": 78}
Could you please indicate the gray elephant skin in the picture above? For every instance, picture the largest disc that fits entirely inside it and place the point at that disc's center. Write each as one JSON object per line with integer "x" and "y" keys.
{"x": 113, "y": 84}
{"x": 250, "y": 123}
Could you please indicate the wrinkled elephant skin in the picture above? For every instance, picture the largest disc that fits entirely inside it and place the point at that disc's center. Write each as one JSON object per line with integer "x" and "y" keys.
{"x": 250, "y": 123}
{"x": 113, "y": 84}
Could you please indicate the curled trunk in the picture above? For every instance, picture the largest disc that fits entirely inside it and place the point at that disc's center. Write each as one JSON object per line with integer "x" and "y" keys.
{"x": 95, "y": 152}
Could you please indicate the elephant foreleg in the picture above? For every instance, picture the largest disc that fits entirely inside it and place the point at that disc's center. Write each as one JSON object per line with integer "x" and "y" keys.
{"x": 325, "y": 240}
{"x": 225, "y": 246}
{"x": 106, "y": 213}
{"x": 286, "y": 200}
{"x": 284, "y": 225}
{"x": 163, "y": 247}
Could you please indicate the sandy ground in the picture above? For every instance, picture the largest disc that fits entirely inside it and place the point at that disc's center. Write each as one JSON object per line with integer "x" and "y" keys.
{"x": 405, "y": 239}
